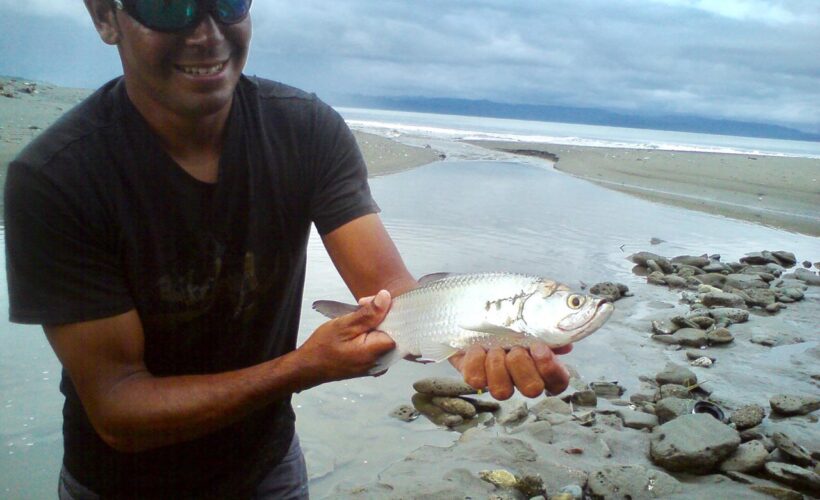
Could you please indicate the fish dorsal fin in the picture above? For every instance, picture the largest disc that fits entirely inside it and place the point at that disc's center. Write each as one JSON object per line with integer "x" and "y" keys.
{"x": 333, "y": 309}
{"x": 486, "y": 327}
{"x": 436, "y": 351}
{"x": 429, "y": 278}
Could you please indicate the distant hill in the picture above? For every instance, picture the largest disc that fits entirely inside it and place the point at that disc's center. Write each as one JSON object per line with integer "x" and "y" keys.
{"x": 586, "y": 116}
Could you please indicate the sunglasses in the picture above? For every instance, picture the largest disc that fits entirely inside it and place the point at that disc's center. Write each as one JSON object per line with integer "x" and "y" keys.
{"x": 172, "y": 16}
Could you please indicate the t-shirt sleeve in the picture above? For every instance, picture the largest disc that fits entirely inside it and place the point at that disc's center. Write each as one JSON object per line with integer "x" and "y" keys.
{"x": 61, "y": 260}
{"x": 341, "y": 192}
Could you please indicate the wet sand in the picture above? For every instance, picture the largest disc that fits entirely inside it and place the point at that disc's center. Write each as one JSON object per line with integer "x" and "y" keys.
{"x": 780, "y": 192}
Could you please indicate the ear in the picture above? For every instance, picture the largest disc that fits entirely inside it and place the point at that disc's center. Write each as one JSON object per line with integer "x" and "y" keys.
{"x": 104, "y": 15}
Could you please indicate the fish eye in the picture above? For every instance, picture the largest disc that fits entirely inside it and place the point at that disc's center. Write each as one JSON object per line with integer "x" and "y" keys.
{"x": 575, "y": 301}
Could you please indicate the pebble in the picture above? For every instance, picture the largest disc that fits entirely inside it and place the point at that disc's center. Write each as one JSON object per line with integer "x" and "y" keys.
{"x": 670, "y": 408}
{"x": 722, "y": 299}
{"x": 637, "y": 419}
{"x": 749, "y": 457}
{"x": 514, "y": 413}
{"x": 607, "y": 389}
{"x": 748, "y": 416}
{"x": 406, "y": 413}
{"x": 663, "y": 327}
{"x": 674, "y": 391}
{"x": 436, "y": 386}
{"x": 455, "y": 406}
{"x": 794, "y": 475}
{"x": 796, "y": 453}
{"x": 693, "y": 354}
{"x": 789, "y": 404}
{"x": 703, "y": 362}
{"x": 424, "y": 404}
{"x": 719, "y": 336}
{"x": 632, "y": 481}
{"x": 574, "y": 490}
{"x": 585, "y": 398}
{"x": 483, "y": 405}
{"x": 676, "y": 374}
{"x": 693, "y": 443}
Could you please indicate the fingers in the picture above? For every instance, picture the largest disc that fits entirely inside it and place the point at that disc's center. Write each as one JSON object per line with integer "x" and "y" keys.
{"x": 498, "y": 378}
{"x": 368, "y": 316}
{"x": 552, "y": 371}
{"x": 378, "y": 342}
{"x": 524, "y": 375}
{"x": 472, "y": 367}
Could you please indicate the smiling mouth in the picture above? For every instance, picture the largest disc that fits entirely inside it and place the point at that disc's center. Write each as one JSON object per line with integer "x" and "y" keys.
{"x": 201, "y": 70}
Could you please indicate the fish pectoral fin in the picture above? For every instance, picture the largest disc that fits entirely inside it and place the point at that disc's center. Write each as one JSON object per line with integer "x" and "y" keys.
{"x": 493, "y": 329}
{"x": 436, "y": 351}
{"x": 333, "y": 309}
{"x": 429, "y": 278}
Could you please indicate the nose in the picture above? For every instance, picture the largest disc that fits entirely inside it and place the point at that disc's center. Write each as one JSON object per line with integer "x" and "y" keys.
{"x": 207, "y": 32}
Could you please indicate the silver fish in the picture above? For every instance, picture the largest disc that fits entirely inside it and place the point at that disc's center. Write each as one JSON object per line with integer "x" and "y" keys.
{"x": 448, "y": 313}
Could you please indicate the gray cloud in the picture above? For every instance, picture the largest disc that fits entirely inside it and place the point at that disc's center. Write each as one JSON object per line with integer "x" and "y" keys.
{"x": 741, "y": 59}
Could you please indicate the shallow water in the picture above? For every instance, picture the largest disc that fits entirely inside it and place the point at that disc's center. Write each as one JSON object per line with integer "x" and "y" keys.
{"x": 452, "y": 216}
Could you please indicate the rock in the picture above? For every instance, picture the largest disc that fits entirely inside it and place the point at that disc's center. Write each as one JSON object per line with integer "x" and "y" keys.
{"x": 794, "y": 475}
{"x": 662, "y": 327}
{"x": 692, "y": 443}
{"x": 689, "y": 337}
{"x": 758, "y": 297}
{"x": 788, "y": 405}
{"x": 693, "y": 354}
{"x": 785, "y": 259}
{"x": 729, "y": 315}
{"x": 748, "y": 457}
{"x": 443, "y": 387}
{"x": 807, "y": 277}
{"x": 637, "y": 419}
{"x": 712, "y": 279}
{"x": 540, "y": 431}
{"x": 722, "y": 299}
{"x": 632, "y": 481}
{"x": 656, "y": 278}
{"x": 676, "y": 374}
{"x": 607, "y": 389}
{"x": 715, "y": 266}
{"x": 684, "y": 322}
{"x": 574, "y": 490}
{"x": 424, "y": 404}
{"x": 744, "y": 281}
{"x": 406, "y": 413}
{"x": 455, "y": 406}
{"x": 644, "y": 396}
{"x": 670, "y": 408}
{"x": 609, "y": 290}
{"x": 702, "y": 322}
{"x": 764, "y": 486}
{"x": 483, "y": 405}
{"x": 675, "y": 281}
{"x": 703, "y": 362}
{"x": 748, "y": 416}
{"x": 585, "y": 398}
{"x": 789, "y": 294}
{"x": 719, "y": 336}
{"x": 501, "y": 477}
{"x": 691, "y": 260}
{"x": 586, "y": 418}
{"x": 776, "y": 339}
{"x": 796, "y": 453}
{"x": 513, "y": 414}
{"x": 550, "y": 405}
{"x": 674, "y": 391}
{"x": 643, "y": 258}
{"x": 774, "y": 308}
{"x": 759, "y": 258}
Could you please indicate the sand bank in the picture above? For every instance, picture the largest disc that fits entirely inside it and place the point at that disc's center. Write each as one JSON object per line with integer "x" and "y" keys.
{"x": 781, "y": 192}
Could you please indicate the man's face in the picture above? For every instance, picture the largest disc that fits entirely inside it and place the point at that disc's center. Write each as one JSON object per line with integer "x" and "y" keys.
{"x": 192, "y": 73}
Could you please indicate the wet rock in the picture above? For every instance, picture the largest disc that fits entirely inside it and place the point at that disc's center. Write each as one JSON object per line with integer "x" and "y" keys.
{"x": 502, "y": 478}
{"x": 759, "y": 258}
{"x": 513, "y": 414}
{"x": 405, "y": 413}
{"x": 796, "y": 453}
{"x": 540, "y": 431}
{"x": 789, "y": 404}
{"x": 674, "y": 391}
{"x": 774, "y": 308}
{"x": 609, "y": 290}
{"x": 685, "y": 271}
{"x": 690, "y": 337}
{"x": 744, "y": 281}
{"x": 676, "y": 374}
{"x": 693, "y": 354}
{"x": 794, "y": 475}
{"x": 807, "y": 277}
{"x": 729, "y": 315}
{"x": 643, "y": 258}
{"x": 684, "y": 322}
{"x": 675, "y": 281}
{"x": 722, "y": 299}
{"x": 719, "y": 336}
{"x": 656, "y": 278}
{"x": 550, "y": 405}
{"x": 758, "y": 297}
{"x": 637, "y": 419}
{"x": 585, "y": 398}
{"x": 748, "y": 416}
{"x": 443, "y": 387}
{"x": 607, "y": 389}
{"x": 455, "y": 406}
{"x": 748, "y": 457}
{"x": 785, "y": 259}
{"x": 702, "y": 322}
{"x": 715, "y": 266}
{"x": 586, "y": 418}
{"x": 691, "y": 260}
{"x": 670, "y": 408}
{"x": 644, "y": 396}
{"x": 483, "y": 405}
{"x": 775, "y": 339}
{"x": 632, "y": 481}
{"x": 424, "y": 404}
{"x": 573, "y": 490}
{"x": 664, "y": 327}
{"x": 712, "y": 279}
{"x": 788, "y": 295}
{"x": 692, "y": 443}
{"x": 703, "y": 362}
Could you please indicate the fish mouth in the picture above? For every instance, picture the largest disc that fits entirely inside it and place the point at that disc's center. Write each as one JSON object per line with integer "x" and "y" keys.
{"x": 603, "y": 310}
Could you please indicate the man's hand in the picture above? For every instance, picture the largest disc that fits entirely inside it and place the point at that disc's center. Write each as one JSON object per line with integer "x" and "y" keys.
{"x": 348, "y": 346}
{"x": 530, "y": 370}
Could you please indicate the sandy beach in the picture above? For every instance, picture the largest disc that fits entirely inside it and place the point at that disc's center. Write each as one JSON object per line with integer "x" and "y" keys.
{"x": 355, "y": 449}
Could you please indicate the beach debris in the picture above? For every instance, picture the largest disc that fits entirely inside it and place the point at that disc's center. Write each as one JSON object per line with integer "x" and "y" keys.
{"x": 694, "y": 443}
{"x": 656, "y": 241}
{"x": 448, "y": 313}
{"x": 791, "y": 404}
{"x": 748, "y": 416}
{"x": 709, "y": 408}
{"x": 632, "y": 481}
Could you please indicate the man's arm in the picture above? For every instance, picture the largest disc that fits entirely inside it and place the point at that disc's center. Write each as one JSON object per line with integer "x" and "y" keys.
{"x": 132, "y": 410}
{"x": 368, "y": 261}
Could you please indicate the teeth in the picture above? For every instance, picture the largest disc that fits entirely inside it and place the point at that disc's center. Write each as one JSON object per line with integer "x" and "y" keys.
{"x": 201, "y": 71}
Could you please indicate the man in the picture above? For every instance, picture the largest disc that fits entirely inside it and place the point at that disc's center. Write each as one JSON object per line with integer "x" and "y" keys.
{"x": 158, "y": 233}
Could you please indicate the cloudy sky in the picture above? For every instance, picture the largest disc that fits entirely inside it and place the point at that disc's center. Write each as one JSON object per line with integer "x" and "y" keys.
{"x": 752, "y": 60}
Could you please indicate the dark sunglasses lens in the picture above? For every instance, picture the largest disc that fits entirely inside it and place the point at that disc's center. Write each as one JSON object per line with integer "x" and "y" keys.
{"x": 232, "y": 11}
{"x": 166, "y": 15}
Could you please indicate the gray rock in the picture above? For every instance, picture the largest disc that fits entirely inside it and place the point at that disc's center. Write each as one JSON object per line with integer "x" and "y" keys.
{"x": 722, "y": 299}
{"x": 405, "y": 413}
{"x": 748, "y": 457}
{"x": 483, "y": 405}
{"x": 758, "y": 297}
{"x": 440, "y": 386}
{"x": 684, "y": 322}
{"x": 455, "y": 406}
{"x": 585, "y": 398}
{"x": 663, "y": 327}
{"x": 637, "y": 419}
{"x": 656, "y": 278}
{"x": 643, "y": 258}
{"x": 632, "y": 481}
{"x": 670, "y": 408}
{"x": 690, "y": 337}
{"x": 789, "y": 294}
{"x": 807, "y": 277}
{"x": 702, "y": 322}
{"x": 693, "y": 354}
{"x": 744, "y": 281}
{"x": 676, "y": 374}
{"x": 729, "y": 315}
{"x": 674, "y": 391}
{"x": 774, "y": 308}
{"x": 785, "y": 259}
{"x": 715, "y": 279}
{"x": 797, "y": 453}
{"x": 574, "y": 490}
{"x": 692, "y": 443}
{"x": 715, "y": 266}
{"x": 691, "y": 260}
{"x": 607, "y": 389}
{"x": 609, "y": 290}
{"x": 644, "y": 396}
{"x": 764, "y": 486}
{"x": 675, "y": 281}
{"x": 719, "y": 336}
{"x": 514, "y": 413}
{"x": 759, "y": 258}
{"x": 748, "y": 416}
{"x": 775, "y": 339}
{"x": 540, "y": 430}
{"x": 789, "y": 404}
{"x": 550, "y": 405}
{"x": 794, "y": 475}
{"x": 424, "y": 404}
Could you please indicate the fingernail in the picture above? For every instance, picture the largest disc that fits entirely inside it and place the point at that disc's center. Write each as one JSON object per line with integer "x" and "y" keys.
{"x": 381, "y": 299}
{"x": 539, "y": 350}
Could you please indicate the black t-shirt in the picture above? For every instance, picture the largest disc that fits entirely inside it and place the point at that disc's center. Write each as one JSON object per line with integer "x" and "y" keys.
{"x": 100, "y": 220}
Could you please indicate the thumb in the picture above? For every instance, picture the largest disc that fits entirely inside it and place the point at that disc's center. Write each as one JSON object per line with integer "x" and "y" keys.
{"x": 370, "y": 314}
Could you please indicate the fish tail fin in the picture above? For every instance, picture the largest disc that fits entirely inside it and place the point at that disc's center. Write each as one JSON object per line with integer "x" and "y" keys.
{"x": 333, "y": 309}
{"x": 387, "y": 360}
